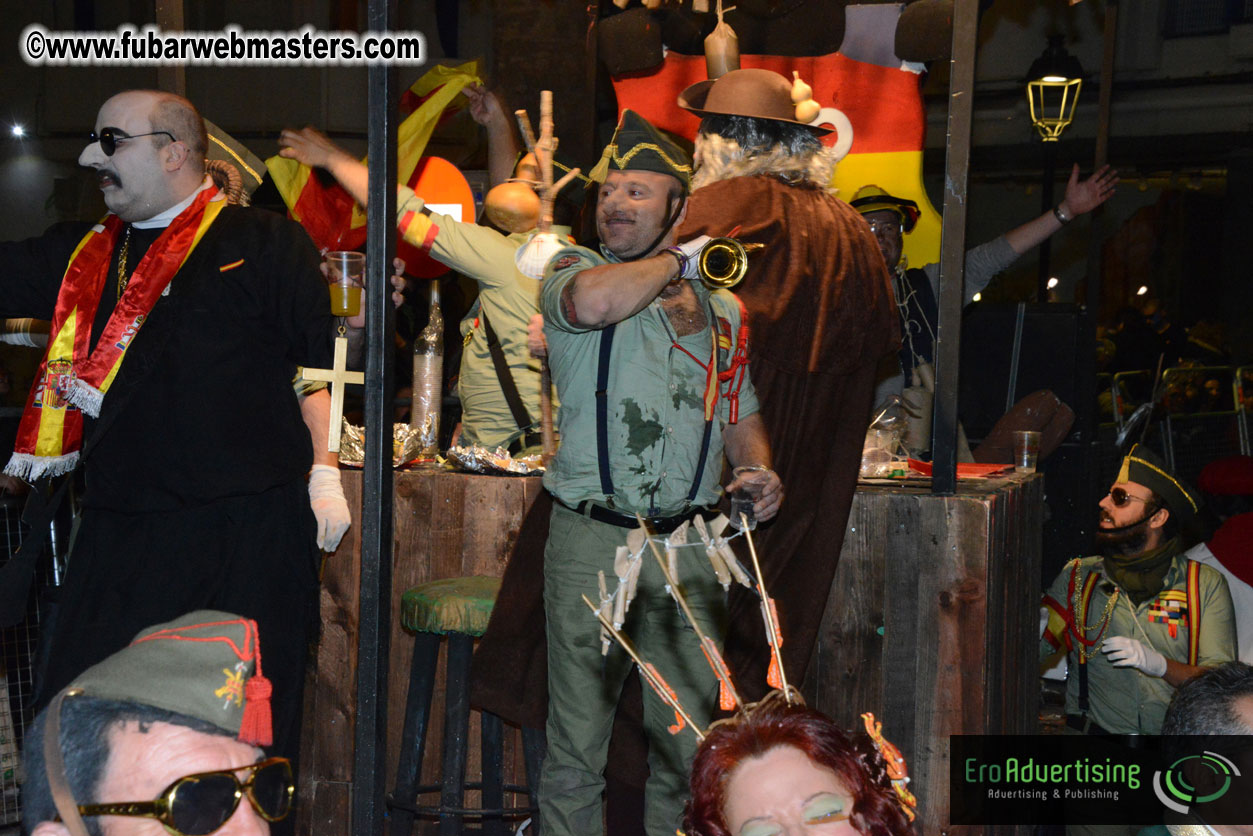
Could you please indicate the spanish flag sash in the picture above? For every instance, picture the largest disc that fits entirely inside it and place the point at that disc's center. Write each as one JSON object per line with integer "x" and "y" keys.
{"x": 72, "y": 379}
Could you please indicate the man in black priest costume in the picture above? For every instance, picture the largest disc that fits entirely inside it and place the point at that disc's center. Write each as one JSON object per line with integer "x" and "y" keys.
{"x": 177, "y": 324}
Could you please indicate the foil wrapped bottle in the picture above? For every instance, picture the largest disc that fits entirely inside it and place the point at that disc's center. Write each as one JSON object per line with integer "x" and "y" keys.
{"x": 428, "y": 378}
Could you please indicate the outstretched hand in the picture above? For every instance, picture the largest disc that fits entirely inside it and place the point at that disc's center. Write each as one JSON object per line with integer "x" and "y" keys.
{"x": 1082, "y": 197}
{"x": 309, "y": 146}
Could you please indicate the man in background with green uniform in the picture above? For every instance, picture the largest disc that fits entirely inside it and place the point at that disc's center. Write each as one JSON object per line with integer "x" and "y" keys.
{"x": 1139, "y": 621}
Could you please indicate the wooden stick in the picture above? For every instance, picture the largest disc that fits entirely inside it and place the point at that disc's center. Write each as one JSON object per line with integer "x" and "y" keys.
{"x": 544, "y": 156}
{"x": 650, "y": 673}
{"x": 524, "y": 125}
{"x": 771, "y": 630}
{"x": 547, "y": 437}
{"x": 561, "y": 184}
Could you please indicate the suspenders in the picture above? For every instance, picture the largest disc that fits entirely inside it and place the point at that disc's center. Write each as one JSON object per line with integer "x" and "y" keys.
{"x": 602, "y": 423}
{"x": 508, "y": 386}
{"x": 1193, "y": 594}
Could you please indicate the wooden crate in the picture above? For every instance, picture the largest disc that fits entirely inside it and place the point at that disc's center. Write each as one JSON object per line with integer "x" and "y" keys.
{"x": 933, "y": 623}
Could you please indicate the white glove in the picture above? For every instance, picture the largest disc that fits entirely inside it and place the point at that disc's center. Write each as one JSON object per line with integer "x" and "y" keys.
{"x": 690, "y": 250}
{"x": 1126, "y": 652}
{"x": 326, "y": 497}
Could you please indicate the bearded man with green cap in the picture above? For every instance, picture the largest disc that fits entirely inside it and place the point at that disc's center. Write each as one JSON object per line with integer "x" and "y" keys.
{"x": 652, "y": 372}
{"x": 1141, "y": 618}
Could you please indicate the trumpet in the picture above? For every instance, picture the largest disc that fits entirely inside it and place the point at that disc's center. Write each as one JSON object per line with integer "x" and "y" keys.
{"x": 724, "y": 262}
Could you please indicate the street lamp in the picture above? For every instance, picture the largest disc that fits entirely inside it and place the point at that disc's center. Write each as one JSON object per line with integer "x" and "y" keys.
{"x": 1053, "y": 84}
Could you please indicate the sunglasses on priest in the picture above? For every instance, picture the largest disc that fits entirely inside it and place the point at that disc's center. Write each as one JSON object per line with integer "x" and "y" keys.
{"x": 200, "y": 804}
{"x": 110, "y": 137}
{"x": 1121, "y": 498}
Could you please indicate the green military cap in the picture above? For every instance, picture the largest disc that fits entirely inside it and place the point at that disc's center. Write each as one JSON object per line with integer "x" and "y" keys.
{"x": 1144, "y": 467}
{"x": 206, "y": 665}
{"x": 638, "y": 146}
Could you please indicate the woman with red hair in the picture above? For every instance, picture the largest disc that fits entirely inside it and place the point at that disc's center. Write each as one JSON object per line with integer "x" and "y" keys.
{"x": 783, "y": 769}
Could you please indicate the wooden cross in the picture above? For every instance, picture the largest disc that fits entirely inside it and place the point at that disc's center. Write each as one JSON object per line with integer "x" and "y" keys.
{"x": 336, "y": 377}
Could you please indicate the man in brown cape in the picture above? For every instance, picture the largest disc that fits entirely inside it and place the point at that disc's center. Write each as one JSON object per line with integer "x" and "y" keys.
{"x": 821, "y": 314}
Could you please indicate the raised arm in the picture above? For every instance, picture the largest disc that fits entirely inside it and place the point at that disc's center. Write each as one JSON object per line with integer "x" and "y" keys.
{"x": 312, "y": 147}
{"x": 502, "y": 145}
{"x": 600, "y": 296}
{"x": 1081, "y": 197}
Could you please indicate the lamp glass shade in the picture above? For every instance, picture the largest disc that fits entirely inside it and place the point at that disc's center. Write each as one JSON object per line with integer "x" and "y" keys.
{"x": 1052, "y": 101}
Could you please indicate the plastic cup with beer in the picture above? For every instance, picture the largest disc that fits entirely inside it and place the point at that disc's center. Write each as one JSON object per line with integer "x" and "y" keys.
{"x": 346, "y": 274}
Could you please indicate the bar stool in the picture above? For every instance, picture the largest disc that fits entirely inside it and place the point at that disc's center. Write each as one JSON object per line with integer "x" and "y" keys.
{"x": 458, "y": 608}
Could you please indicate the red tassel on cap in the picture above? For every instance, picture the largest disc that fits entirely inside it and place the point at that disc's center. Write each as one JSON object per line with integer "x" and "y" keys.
{"x": 256, "y": 727}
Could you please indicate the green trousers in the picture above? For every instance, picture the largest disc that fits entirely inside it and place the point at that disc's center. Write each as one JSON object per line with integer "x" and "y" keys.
{"x": 584, "y": 686}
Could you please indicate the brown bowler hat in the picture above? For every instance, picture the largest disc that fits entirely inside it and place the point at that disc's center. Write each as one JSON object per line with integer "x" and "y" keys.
{"x": 760, "y": 94}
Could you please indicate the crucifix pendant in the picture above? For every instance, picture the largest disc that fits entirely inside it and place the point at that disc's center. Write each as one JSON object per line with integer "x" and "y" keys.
{"x": 336, "y": 377}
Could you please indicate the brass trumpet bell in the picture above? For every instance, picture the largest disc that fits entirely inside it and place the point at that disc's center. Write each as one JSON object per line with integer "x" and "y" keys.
{"x": 723, "y": 262}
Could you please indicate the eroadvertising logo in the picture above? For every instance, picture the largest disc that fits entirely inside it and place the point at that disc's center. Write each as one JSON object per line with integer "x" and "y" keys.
{"x": 1194, "y": 780}
{"x": 1083, "y": 779}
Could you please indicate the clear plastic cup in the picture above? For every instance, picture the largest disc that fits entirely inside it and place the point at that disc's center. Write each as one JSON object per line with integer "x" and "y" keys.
{"x": 346, "y": 274}
{"x": 744, "y": 497}
{"x": 1026, "y": 450}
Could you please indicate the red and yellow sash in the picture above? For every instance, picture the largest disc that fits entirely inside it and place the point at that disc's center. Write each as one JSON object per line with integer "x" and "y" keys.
{"x": 73, "y": 379}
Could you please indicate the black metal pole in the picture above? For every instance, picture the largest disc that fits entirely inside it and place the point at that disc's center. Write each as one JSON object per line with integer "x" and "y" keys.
{"x": 1046, "y": 204}
{"x": 953, "y": 248}
{"x": 374, "y": 626}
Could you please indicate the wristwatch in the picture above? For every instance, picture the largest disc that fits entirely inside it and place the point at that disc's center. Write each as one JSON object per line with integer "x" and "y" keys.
{"x": 1061, "y": 214}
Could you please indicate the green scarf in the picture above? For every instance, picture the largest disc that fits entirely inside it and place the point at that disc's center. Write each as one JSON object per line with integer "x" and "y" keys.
{"x": 1141, "y": 576}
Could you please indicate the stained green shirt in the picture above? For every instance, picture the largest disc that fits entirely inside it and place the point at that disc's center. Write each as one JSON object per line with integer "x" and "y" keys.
{"x": 655, "y": 408}
{"x": 1124, "y": 700}
{"x": 508, "y": 297}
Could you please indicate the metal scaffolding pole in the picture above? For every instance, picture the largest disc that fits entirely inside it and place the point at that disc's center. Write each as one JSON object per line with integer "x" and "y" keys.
{"x": 953, "y": 248}
{"x": 374, "y": 630}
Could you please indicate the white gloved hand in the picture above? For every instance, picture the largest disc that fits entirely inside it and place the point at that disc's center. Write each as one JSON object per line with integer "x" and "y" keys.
{"x": 1124, "y": 652}
{"x": 326, "y": 497}
{"x": 690, "y": 250}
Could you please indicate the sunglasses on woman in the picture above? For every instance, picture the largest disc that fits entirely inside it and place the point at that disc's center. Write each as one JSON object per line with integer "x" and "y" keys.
{"x": 110, "y": 137}
{"x": 197, "y": 805}
{"x": 1120, "y": 498}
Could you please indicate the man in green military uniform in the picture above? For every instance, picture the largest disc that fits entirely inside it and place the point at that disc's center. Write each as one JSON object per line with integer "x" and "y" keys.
{"x": 1142, "y": 619}
{"x": 499, "y": 380}
{"x": 652, "y": 372}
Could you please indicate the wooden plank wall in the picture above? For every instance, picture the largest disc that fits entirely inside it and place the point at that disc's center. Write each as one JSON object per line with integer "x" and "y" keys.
{"x": 446, "y": 525}
{"x": 932, "y": 624}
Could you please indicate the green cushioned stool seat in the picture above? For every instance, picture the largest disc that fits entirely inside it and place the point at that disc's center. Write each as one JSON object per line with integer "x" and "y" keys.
{"x": 452, "y": 605}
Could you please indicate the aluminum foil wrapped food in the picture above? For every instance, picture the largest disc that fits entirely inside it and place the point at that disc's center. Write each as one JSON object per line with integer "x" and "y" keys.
{"x": 407, "y": 444}
{"x": 499, "y": 462}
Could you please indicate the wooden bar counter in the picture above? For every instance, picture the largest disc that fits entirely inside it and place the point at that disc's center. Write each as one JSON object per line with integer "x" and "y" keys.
{"x": 447, "y": 525}
{"x": 931, "y": 622}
